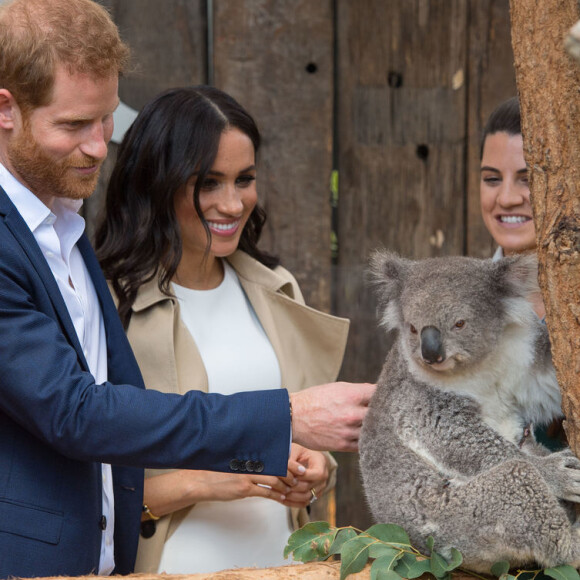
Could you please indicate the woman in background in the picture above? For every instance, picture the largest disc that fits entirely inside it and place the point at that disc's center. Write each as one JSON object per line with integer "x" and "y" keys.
{"x": 504, "y": 189}
{"x": 205, "y": 308}
{"x": 506, "y": 208}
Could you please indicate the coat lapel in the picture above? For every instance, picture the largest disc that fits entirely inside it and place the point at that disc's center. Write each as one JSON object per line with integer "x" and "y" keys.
{"x": 297, "y": 332}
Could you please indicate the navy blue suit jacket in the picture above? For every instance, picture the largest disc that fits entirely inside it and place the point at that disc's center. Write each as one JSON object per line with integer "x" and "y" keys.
{"x": 57, "y": 425}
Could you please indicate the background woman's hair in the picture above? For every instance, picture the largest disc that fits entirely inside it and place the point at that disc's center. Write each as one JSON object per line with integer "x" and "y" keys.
{"x": 174, "y": 137}
{"x": 505, "y": 118}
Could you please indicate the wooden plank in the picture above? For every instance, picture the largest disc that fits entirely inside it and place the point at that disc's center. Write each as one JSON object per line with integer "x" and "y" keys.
{"x": 401, "y": 135}
{"x": 168, "y": 43}
{"x": 276, "y": 58}
{"x": 168, "y": 39}
{"x": 491, "y": 81}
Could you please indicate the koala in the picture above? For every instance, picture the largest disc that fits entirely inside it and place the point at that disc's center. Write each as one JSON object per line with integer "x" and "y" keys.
{"x": 447, "y": 447}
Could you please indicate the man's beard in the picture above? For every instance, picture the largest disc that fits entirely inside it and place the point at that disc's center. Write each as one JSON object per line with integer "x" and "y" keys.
{"x": 46, "y": 177}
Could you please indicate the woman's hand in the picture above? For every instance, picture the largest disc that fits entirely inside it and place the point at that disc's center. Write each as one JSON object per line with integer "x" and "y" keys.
{"x": 310, "y": 472}
{"x": 307, "y": 474}
{"x": 173, "y": 491}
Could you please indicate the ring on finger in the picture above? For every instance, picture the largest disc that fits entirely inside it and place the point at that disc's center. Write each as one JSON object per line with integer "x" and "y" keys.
{"x": 314, "y": 496}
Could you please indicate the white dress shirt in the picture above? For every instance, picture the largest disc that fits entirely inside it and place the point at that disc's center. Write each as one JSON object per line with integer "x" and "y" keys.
{"x": 57, "y": 233}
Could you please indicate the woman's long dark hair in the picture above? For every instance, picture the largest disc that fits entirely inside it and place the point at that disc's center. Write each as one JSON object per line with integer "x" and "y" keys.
{"x": 174, "y": 137}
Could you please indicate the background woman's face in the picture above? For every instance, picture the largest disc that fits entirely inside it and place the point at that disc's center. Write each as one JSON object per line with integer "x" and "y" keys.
{"x": 505, "y": 194}
{"x": 227, "y": 198}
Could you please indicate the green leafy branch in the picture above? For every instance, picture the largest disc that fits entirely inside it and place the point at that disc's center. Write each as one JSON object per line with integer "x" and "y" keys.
{"x": 393, "y": 556}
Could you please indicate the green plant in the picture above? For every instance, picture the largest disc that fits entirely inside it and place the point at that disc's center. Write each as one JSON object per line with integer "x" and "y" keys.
{"x": 393, "y": 555}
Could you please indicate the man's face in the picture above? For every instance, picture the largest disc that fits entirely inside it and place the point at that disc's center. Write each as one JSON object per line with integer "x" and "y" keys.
{"x": 57, "y": 150}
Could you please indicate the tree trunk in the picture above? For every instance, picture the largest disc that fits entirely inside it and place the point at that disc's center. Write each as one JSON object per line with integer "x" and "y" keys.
{"x": 548, "y": 84}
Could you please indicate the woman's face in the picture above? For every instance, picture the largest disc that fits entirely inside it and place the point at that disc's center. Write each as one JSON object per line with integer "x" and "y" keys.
{"x": 504, "y": 193}
{"x": 227, "y": 198}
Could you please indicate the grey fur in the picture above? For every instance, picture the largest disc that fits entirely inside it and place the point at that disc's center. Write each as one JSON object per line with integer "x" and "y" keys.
{"x": 447, "y": 452}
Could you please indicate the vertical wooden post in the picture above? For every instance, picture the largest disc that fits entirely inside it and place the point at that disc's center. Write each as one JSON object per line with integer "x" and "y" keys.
{"x": 549, "y": 88}
{"x": 276, "y": 58}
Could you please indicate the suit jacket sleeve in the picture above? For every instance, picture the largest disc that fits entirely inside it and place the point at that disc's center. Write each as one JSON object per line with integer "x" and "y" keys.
{"x": 46, "y": 389}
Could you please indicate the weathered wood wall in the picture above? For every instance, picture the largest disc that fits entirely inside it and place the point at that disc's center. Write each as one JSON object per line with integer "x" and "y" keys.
{"x": 392, "y": 95}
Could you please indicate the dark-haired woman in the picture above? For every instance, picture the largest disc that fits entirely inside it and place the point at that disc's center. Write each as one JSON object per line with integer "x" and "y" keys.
{"x": 205, "y": 308}
{"x": 504, "y": 190}
{"x": 506, "y": 207}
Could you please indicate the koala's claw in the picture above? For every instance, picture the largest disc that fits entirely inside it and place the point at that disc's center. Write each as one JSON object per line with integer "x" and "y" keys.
{"x": 561, "y": 471}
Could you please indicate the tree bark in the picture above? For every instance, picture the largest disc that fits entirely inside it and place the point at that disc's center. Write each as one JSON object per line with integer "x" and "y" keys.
{"x": 548, "y": 81}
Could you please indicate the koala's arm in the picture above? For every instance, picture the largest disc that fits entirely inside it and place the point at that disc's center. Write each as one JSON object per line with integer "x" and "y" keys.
{"x": 448, "y": 430}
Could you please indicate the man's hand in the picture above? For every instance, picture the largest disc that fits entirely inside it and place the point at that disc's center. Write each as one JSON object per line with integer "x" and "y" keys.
{"x": 329, "y": 417}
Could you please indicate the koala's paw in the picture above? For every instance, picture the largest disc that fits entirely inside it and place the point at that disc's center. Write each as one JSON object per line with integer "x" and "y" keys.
{"x": 561, "y": 471}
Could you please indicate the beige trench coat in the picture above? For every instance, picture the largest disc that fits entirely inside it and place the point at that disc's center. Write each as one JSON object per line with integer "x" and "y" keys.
{"x": 309, "y": 345}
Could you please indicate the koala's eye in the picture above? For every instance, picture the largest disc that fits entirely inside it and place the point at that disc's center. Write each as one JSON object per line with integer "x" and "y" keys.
{"x": 460, "y": 324}
{"x": 412, "y": 329}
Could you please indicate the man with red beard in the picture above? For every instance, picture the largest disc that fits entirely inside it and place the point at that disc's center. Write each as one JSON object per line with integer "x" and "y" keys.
{"x": 72, "y": 402}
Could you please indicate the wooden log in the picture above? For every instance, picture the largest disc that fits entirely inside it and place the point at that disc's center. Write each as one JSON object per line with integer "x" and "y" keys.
{"x": 310, "y": 571}
{"x": 549, "y": 83}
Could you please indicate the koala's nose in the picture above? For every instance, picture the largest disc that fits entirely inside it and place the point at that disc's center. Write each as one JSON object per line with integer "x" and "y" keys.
{"x": 431, "y": 346}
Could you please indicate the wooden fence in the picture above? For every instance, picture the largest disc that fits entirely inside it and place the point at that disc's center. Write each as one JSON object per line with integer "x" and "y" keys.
{"x": 391, "y": 94}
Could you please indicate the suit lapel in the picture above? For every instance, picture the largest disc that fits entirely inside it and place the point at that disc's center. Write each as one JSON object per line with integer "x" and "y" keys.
{"x": 25, "y": 238}
{"x": 122, "y": 366}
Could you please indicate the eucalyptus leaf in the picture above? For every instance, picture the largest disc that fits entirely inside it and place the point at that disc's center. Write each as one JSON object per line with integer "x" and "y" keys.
{"x": 409, "y": 567}
{"x": 388, "y": 561}
{"x": 439, "y": 566}
{"x": 378, "y": 550}
{"x": 562, "y": 573}
{"x": 368, "y": 540}
{"x": 379, "y": 572}
{"x": 354, "y": 556}
{"x": 311, "y": 542}
{"x": 389, "y": 533}
{"x": 341, "y": 537}
{"x": 500, "y": 568}
{"x": 456, "y": 560}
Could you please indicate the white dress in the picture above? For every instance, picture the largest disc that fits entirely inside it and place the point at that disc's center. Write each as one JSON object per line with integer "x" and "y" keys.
{"x": 237, "y": 356}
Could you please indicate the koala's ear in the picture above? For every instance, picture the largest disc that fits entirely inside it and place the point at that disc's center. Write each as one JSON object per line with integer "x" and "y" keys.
{"x": 388, "y": 273}
{"x": 518, "y": 275}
